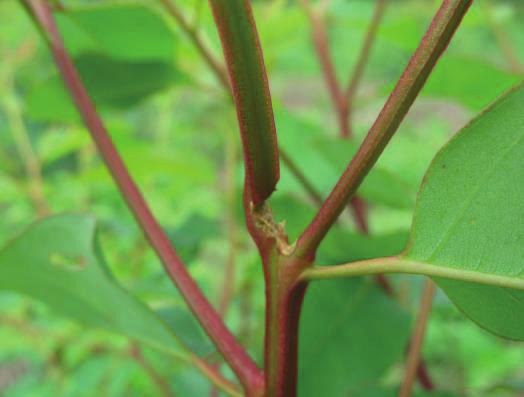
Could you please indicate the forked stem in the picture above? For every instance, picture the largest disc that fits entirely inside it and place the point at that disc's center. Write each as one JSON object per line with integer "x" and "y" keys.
{"x": 411, "y": 82}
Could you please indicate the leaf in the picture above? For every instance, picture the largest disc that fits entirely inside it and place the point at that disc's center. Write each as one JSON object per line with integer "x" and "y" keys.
{"x": 187, "y": 329}
{"x": 341, "y": 246}
{"x": 381, "y": 185}
{"x": 126, "y": 32}
{"x": 322, "y": 159}
{"x": 111, "y": 83}
{"x": 245, "y": 62}
{"x": 58, "y": 262}
{"x": 350, "y": 334}
{"x": 469, "y": 216}
{"x": 473, "y": 83}
{"x": 192, "y": 233}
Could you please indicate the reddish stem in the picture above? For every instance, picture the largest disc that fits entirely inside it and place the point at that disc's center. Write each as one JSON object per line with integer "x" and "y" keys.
{"x": 411, "y": 82}
{"x": 218, "y": 69}
{"x": 284, "y": 302}
{"x": 321, "y": 44}
{"x": 247, "y": 371}
{"x": 363, "y": 58}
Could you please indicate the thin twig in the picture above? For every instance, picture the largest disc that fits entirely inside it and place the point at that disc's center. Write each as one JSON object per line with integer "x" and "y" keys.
{"x": 20, "y": 134}
{"x": 27, "y": 155}
{"x": 229, "y": 275}
{"x": 503, "y": 41}
{"x": 226, "y": 343}
{"x": 321, "y": 45}
{"x": 415, "y": 348}
{"x": 218, "y": 69}
{"x": 363, "y": 58}
{"x": 411, "y": 82}
{"x": 301, "y": 178}
{"x": 160, "y": 382}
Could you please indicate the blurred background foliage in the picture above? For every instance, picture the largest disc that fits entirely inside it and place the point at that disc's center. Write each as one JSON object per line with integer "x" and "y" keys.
{"x": 176, "y": 128}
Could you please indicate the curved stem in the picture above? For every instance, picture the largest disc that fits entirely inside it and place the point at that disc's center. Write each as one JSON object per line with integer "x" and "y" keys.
{"x": 243, "y": 366}
{"x": 411, "y": 82}
{"x": 415, "y": 348}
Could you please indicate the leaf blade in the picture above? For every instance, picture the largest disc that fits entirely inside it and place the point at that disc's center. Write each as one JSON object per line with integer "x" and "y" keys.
{"x": 469, "y": 211}
{"x": 58, "y": 262}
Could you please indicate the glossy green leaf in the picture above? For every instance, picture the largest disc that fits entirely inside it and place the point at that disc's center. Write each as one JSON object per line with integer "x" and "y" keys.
{"x": 470, "y": 212}
{"x": 58, "y": 262}
{"x": 350, "y": 334}
{"x": 128, "y": 32}
{"x": 246, "y": 67}
{"x": 111, "y": 83}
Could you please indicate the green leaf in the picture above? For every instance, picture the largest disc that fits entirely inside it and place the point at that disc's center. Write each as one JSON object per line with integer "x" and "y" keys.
{"x": 469, "y": 216}
{"x": 245, "y": 62}
{"x": 58, "y": 262}
{"x": 322, "y": 159}
{"x": 473, "y": 83}
{"x": 350, "y": 334}
{"x": 381, "y": 185}
{"x": 341, "y": 246}
{"x": 111, "y": 83}
{"x": 127, "y": 32}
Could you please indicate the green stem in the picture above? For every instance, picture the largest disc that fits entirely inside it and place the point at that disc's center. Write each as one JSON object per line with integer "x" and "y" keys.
{"x": 245, "y": 64}
{"x": 399, "y": 264}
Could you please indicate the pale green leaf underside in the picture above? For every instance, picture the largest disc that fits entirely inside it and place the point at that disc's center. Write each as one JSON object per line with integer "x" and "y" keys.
{"x": 470, "y": 216}
{"x": 56, "y": 261}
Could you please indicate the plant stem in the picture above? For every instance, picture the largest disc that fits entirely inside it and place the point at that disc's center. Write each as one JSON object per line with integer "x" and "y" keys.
{"x": 415, "y": 348}
{"x": 240, "y": 362}
{"x": 161, "y": 383}
{"x": 363, "y": 58}
{"x": 401, "y": 265}
{"x": 197, "y": 40}
{"x": 503, "y": 41}
{"x": 27, "y": 155}
{"x": 284, "y": 302}
{"x": 245, "y": 64}
{"x": 215, "y": 377}
{"x": 343, "y": 107}
{"x": 20, "y": 134}
{"x": 301, "y": 178}
{"x": 228, "y": 283}
{"x": 321, "y": 44}
{"x": 411, "y": 82}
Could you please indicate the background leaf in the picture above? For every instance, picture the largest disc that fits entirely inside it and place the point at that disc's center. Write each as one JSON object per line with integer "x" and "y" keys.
{"x": 350, "y": 334}
{"x": 111, "y": 83}
{"x": 57, "y": 262}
